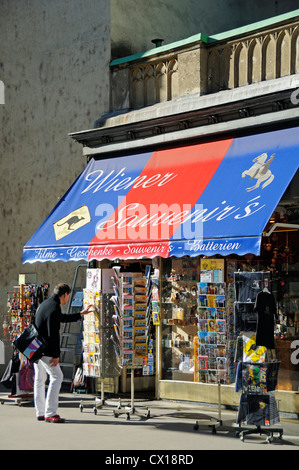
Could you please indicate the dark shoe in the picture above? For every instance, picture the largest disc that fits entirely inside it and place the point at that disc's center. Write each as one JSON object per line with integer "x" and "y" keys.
{"x": 40, "y": 418}
{"x": 55, "y": 419}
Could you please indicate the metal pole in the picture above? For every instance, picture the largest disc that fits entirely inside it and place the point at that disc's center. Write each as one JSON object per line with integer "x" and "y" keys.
{"x": 219, "y": 401}
{"x": 132, "y": 389}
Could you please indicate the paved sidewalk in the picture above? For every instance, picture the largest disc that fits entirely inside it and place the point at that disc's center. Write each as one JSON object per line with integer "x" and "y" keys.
{"x": 170, "y": 427}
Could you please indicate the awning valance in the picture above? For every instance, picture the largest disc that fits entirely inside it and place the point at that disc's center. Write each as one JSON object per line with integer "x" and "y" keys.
{"x": 202, "y": 199}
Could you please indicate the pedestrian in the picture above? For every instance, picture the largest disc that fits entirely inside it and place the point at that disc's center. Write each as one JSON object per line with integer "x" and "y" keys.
{"x": 47, "y": 321}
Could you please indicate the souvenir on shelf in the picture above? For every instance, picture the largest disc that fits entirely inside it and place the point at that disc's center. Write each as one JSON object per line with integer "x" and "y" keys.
{"x": 22, "y": 304}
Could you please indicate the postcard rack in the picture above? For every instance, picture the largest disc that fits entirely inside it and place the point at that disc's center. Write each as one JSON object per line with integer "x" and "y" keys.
{"x": 193, "y": 315}
{"x": 210, "y": 351}
{"x": 131, "y": 317}
{"x": 22, "y": 303}
{"x": 99, "y": 361}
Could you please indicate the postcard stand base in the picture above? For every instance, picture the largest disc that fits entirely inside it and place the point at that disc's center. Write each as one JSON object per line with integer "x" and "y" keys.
{"x": 212, "y": 422}
{"x": 98, "y": 402}
{"x": 131, "y": 410}
{"x": 245, "y": 431}
{"x": 20, "y": 399}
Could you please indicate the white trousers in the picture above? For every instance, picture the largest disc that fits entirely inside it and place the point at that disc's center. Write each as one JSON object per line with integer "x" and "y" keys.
{"x": 46, "y": 405}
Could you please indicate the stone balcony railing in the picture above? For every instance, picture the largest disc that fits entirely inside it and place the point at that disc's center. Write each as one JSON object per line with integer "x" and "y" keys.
{"x": 202, "y": 86}
{"x": 206, "y": 65}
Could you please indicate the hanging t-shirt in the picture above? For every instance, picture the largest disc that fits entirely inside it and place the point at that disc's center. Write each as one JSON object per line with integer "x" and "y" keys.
{"x": 262, "y": 410}
{"x": 252, "y": 352}
{"x": 258, "y": 378}
{"x": 247, "y": 285}
{"x": 259, "y": 410}
{"x": 245, "y": 317}
{"x": 266, "y": 310}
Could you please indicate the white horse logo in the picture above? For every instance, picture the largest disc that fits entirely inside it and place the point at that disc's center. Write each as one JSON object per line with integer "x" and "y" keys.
{"x": 260, "y": 171}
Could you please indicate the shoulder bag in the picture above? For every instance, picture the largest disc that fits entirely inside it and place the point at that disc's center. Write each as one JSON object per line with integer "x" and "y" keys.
{"x": 30, "y": 343}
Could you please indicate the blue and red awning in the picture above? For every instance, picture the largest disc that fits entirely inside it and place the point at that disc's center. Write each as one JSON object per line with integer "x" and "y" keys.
{"x": 200, "y": 199}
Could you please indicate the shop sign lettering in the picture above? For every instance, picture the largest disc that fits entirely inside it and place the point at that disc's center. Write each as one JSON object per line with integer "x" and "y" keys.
{"x": 137, "y": 222}
{"x": 116, "y": 182}
{"x": 161, "y": 221}
{"x": 45, "y": 254}
{"x": 203, "y": 246}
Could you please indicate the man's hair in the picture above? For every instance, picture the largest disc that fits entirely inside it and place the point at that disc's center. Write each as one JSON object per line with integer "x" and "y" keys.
{"x": 61, "y": 289}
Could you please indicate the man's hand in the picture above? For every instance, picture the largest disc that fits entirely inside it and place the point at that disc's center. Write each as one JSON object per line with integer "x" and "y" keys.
{"x": 54, "y": 361}
{"x": 87, "y": 310}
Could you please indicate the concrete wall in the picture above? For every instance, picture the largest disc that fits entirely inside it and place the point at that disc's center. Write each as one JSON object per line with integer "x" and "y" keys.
{"x": 54, "y": 64}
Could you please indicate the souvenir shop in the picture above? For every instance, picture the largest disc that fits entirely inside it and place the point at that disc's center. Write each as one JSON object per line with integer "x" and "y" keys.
{"x": 198, "y": 248}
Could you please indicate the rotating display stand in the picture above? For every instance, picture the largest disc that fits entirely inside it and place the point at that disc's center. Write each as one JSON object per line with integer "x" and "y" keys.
{"x": 130, "y": 410}
{"x": 99, "y": 362}
{"x": 245, "y": 431}
{"x": 257, "y": 403}
{"x": 257, "y": 381}
{"x": 256, "y": 378}
{"x": 22, "y": 304}
{"x": 132, "y": 312}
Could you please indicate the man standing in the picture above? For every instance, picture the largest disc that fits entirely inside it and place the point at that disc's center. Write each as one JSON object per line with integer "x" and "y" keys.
{"x": 47, "y": 321}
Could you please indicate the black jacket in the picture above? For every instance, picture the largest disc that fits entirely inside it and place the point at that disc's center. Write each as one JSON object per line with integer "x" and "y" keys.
{"x": 47, "y": 321}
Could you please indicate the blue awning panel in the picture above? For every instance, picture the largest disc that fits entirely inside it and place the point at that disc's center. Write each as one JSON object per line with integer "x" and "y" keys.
{"x": 201, "y": 199}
